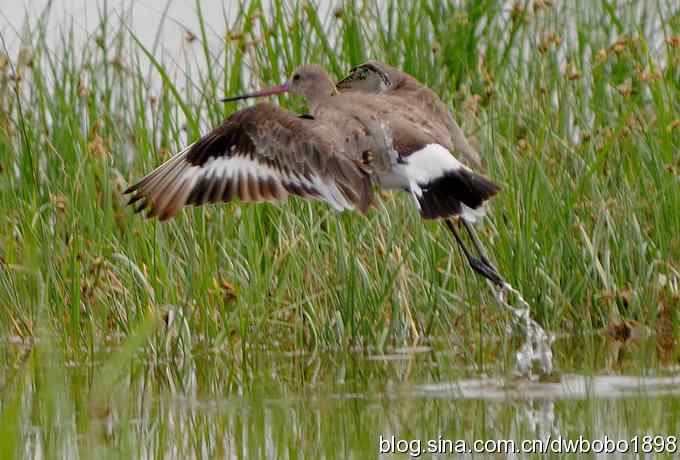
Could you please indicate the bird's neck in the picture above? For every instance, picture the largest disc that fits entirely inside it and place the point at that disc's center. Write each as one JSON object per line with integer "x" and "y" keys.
{"x": 320, "y": 98}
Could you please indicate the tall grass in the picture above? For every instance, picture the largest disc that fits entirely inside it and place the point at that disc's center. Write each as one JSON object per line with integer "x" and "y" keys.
{"x": 574, "y": 107}
{"x": 578, "y": 127}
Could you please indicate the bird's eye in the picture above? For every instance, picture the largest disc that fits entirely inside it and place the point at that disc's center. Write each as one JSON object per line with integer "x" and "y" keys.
{"x": 296, "y": 77}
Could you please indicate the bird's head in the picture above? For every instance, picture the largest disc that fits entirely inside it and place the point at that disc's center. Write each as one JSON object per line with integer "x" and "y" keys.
{"x": 309, "y": 81}
{"x": 371, "y": 76}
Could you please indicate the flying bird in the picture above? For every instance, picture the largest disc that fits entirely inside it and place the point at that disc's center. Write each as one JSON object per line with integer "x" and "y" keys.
{"x": 352, "y": 140}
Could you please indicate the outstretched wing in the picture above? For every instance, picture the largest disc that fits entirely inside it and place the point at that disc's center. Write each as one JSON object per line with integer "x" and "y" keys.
{"x": 261, "y": 153}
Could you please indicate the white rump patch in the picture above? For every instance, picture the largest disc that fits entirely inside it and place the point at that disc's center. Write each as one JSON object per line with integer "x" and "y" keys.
{"x": 420, "y": 168}
{"x": 430, "y": 163}
{"x": 423, "y": 167}
{"x": 472, "y": 215}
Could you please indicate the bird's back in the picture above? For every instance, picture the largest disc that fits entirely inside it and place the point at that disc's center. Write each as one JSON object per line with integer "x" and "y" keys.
{"x": 381, "y": 124}
{"x": 416, "y": 100}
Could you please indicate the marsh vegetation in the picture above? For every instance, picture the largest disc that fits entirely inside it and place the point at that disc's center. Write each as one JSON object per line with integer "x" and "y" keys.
{"x": 291, "y": 331}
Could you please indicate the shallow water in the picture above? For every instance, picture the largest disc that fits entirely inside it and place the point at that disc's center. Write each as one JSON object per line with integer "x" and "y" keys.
{"x": 537, "y": 346}
{"x": 235, "y": 403}
{"x": 340, "y": 405}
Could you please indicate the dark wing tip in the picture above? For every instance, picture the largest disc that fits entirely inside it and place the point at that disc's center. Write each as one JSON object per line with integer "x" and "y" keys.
{"x": 134, "y": 198}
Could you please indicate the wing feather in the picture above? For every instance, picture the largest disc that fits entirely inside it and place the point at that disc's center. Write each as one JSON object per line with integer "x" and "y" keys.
{"x": 261, "y": 153}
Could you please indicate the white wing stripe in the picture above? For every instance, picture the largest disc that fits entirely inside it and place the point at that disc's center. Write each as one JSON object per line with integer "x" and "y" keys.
{"x": 239, "y": 166}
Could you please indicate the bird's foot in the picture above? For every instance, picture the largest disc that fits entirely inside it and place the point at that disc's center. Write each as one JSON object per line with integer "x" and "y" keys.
{"x": 486, "y": 270}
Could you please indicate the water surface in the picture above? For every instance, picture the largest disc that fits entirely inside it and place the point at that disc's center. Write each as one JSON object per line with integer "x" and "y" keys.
{"x": 341, "y": 405}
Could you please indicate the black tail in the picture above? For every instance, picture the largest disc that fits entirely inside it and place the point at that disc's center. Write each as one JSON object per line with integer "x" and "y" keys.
{"x": 443, "y": 196}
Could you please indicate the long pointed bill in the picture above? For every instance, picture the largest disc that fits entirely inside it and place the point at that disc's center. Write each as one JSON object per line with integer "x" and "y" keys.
{"x": 278, "y": 89}
{"x": 346, "y": 82}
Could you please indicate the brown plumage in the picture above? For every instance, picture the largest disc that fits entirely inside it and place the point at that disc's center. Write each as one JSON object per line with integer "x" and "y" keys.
{"x": 386, "y": 129}
{"x": 402, "y": 89}
{"x": 351, "y": 141}
{"x": 264, "y": 153}
{"x": 449, "y": 189}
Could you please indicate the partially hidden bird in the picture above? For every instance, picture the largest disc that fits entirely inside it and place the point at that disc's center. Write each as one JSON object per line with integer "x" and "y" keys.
{"x": 377, "y": 127}
{"x": 376, "y": 77}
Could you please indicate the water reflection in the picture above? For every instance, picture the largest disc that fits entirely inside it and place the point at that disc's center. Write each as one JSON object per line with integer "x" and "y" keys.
{"x": 568, "y": 386}
{"x": 331, "y": 405}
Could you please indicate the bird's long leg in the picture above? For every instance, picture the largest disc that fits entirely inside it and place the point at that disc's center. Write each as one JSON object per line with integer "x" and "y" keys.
{"x": 480, "y": 250}
{"x": 477, "y": 243}
{"x": 481, "y": 265}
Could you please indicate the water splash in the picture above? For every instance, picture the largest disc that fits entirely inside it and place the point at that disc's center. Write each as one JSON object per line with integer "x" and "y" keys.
{"x": 537, "y": 346}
